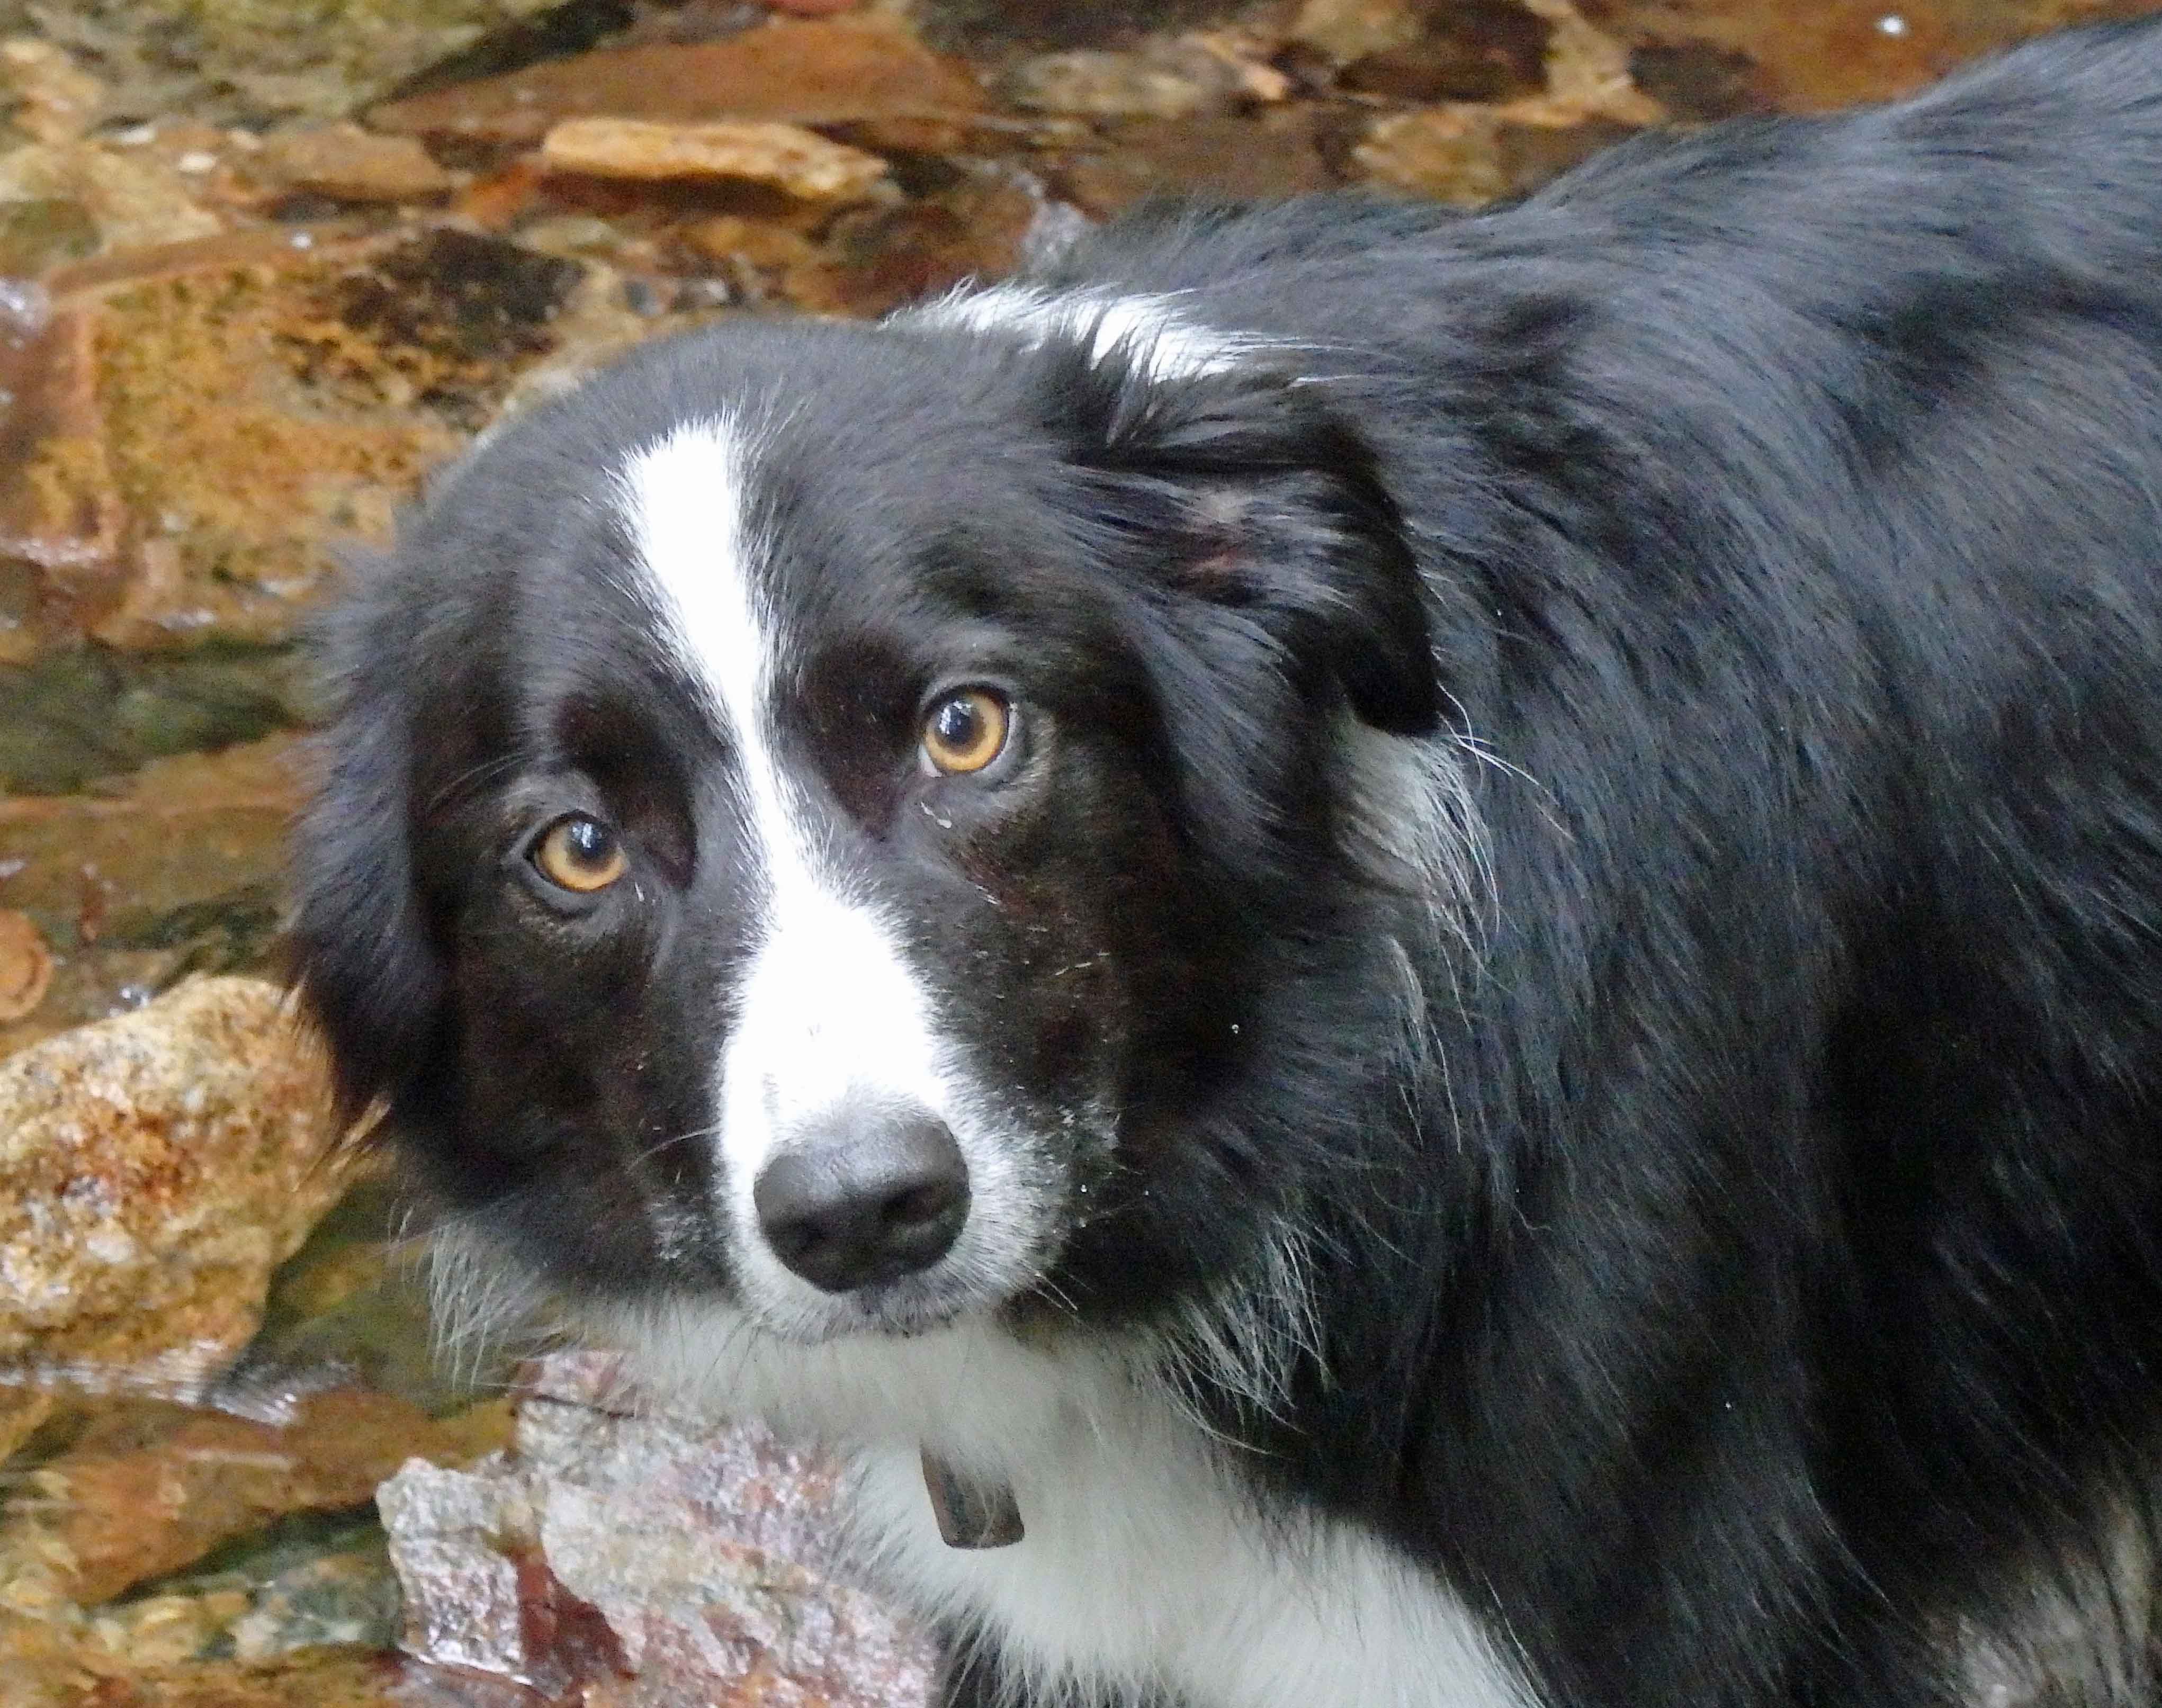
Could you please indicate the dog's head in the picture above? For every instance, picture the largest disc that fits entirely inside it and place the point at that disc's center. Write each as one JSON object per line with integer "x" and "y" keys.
{"x": 829, "y": 817}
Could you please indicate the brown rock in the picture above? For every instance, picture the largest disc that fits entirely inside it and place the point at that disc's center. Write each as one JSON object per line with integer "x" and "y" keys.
{"x": 1698, "y": 83}
{"x": 1450, "y": 153}
{"x": 876, "y": 259}
{"x": 47, "y": 1665}
{"x": 813, "y": 73}
{"x": 348, "y": 164}
{"x": 1836, "y": 53}
{"x": 26, "y": 965}
{"x": 60, "y": 512}
{"x": 1469, "y": 156}
{"x": 1469, "y": 153}
{"x": 108, "y": 1514}
{"x": 134, "y": 199}
{"x": 1351, "y": 30}
{"x": 153, "y": 1169}
{"x": 1479, "y": 50}
{"x": 254, "y": 412}
{"x": 42, "y": 232}
{"x": 182, "y": 834}
{"x": 1269, "y": 154}
{"x": 55, "y": 101}
{"x": 799, "y": 162}
{"x": 1165, "y": 80}
{"x": 1587, "y": 75}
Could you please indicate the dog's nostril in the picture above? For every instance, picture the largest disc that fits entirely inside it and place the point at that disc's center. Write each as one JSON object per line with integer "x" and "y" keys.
{"x": 878, "y": 1199}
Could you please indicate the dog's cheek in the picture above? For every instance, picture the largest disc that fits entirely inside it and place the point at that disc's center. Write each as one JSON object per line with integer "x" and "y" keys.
{"x": 1087, "y": 902}
{"x": 544, "y": 1005}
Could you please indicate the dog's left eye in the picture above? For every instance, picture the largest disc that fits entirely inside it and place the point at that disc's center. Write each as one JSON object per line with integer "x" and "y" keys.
{"x": 966, "y": 730}
{"x": 580, "y": 855}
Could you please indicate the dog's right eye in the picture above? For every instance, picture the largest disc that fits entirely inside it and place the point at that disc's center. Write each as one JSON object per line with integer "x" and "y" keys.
{"x": 965, "y": 731}
{"x": 580, "y": 855}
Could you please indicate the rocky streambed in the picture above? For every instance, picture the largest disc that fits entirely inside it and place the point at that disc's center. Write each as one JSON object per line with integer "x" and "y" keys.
{"x": 263, "y": 267}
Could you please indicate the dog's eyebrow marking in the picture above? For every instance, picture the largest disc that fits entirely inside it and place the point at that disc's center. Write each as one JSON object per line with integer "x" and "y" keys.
{"x": 1149, "y": 328}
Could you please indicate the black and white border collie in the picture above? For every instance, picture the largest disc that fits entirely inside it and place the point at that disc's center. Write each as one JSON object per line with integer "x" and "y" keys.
{"x": 1426, "y": 952}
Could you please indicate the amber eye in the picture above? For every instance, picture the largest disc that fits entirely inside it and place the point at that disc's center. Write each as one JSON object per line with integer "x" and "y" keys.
{"x": 581, "y": 854}
{"x": 966, "y": 731}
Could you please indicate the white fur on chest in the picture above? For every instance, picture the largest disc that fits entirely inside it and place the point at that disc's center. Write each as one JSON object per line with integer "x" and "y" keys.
{"x": 1146, "y": 1568}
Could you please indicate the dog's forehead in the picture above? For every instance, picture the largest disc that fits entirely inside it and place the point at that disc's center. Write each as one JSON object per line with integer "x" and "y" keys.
{"x": 697, "y": 561}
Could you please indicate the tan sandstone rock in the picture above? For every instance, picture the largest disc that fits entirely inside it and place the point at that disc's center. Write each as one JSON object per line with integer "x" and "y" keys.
{"x": 153, "y": 1170}
{"x": 786, "y": 156}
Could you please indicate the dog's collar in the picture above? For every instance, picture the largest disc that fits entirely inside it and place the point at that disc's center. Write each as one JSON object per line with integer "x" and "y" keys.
{"x": 970, "y": 1514}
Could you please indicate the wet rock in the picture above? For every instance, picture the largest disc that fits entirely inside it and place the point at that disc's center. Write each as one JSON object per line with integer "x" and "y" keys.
{"x": 152, "y": 1171}
{"x": 26, "y": 966}
{"x": 644, "y": 1560}
{"x": 176, "y": 872}
{"x": 442, "y": 316}
{"x": 339, "y": 1598}
{"x": 53, "y": 100}
{"x": 257, "y": 61}
{"x": 50, "y": 1666}
{"x": 1813, "y": 59}
{"x": 816, "y": 73}
{"x": 992, "y": 27}
{"x": 116, "y": 1510}
{"x": 44, "y": 232}
{"x": 134, "y": 199}
{"x": 1699, "y": 83}
{"x": 348, "y": 164}
{"x": 873, "y": 260}
{"x": 1483, "y": 50}
{"x": 1469, "y": 153}
{"x": 1268, "y": 154}
{"x": 1165, "y": 80}
{"x": 90, "y": 712}
{"x": 798, "y": 162}
{"x": 1587, "y": 75}
{"x": 61, "y": 514}
{"x": 1345, "y": 30}
{"x": 762, "y": 260}
{"x": 254, "y": 416}
{"x": 308, "y": 1579}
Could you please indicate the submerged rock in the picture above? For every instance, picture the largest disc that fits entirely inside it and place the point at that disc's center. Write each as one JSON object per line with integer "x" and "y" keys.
{"x": 26, "y": 966}
{"x": 152, "y": 1489}
{"x": 836, "y": 71}
{"x": 253, "y": 61}
{"x": 1169, "y": 80}
{"x": 346, "y": 164}
{"x": 799, "y": 162}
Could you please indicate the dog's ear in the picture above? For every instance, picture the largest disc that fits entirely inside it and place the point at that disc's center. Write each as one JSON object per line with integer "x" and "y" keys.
{"x": 359, "y": 943}
{"x": 1240, "y": 487}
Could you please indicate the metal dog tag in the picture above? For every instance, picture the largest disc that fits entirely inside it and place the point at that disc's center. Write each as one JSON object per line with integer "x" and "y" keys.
{"x": 970, "y": 1514}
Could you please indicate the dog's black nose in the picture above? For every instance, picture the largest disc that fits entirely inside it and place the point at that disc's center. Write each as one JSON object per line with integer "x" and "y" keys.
{"x": 880, "y": 1199}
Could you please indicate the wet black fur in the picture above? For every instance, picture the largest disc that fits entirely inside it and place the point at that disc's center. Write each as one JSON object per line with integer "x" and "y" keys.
{"x": 1758, "y": 1281}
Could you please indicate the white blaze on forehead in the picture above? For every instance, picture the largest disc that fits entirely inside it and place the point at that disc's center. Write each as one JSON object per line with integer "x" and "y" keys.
{"x": 827, "y": 1005}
